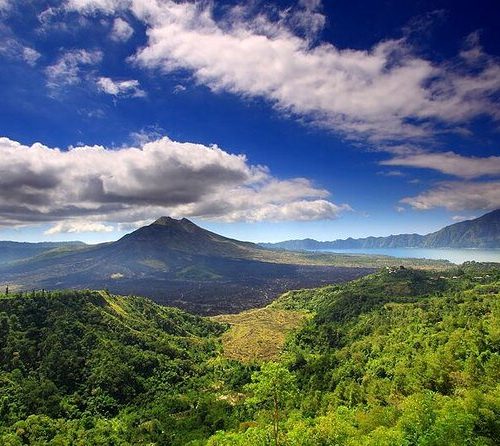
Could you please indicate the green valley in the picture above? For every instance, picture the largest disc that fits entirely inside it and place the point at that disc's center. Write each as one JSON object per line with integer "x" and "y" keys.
{"x": 249, "y": 223}
{"x": 399, "y": 357}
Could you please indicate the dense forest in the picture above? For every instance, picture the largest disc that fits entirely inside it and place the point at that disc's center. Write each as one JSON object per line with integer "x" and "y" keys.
{"x": 400, "y": 357}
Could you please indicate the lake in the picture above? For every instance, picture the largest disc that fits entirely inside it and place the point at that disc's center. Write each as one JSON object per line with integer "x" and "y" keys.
{"x": 457, "y": 256}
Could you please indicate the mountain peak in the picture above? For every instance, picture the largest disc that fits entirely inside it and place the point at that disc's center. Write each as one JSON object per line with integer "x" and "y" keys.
{"x": 165, "y": 221}
{"x": 169, "y": 221}
{"x": 168, "y": 237}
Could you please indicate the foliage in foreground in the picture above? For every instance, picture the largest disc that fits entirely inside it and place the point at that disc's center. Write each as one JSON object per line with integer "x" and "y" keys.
{"x": 400, "y": 357}
{"x": 397, "y": 358}
{"x": 89, "y": 368}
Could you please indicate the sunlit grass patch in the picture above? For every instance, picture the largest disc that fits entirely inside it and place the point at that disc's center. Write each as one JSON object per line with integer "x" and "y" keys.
{"x": 258, "y": 335}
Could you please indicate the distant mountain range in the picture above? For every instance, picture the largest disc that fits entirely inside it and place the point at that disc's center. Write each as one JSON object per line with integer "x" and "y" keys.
{"x": 175, "y": 262}
{"x": 482, "y": 232}
{"x": 12, "y": 251}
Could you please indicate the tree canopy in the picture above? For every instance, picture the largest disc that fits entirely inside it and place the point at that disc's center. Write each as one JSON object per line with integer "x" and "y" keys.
{"x": 400, "y": 357}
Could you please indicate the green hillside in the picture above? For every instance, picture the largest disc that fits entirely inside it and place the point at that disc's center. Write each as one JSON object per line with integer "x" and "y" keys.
{"x": 397, "y": 358}
{"x": 89, "y": 368}
{"x": 400, "y": 357}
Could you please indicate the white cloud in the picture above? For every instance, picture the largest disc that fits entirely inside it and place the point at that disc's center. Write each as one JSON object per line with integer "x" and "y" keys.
{"x": 5, "y": 5}
{"x": 13, "y": 49}
{"x": 92, "y": 6}
{"x": 120, "y": 88}
{"x": 179, "y": 88}
{"x": 147, "y": 134}
{"x": 294, "y": 211}
{"x": 458, "y": 196}
{"x": 67, "y": 69}
{"x": 373, "y": 93}
{"x": 270, "y": 200}
{"x": 449, "y": 163}
{"x": 30, "y": 56}
{"x": 458, "y": 218}
{"x": 385, "y": 92}
{"x": 50, "y": 21}
{"x": 452, "y": 195}
{"x": 72, "y": 226}
{"x": 121, "y": 31}
{"x": 39, "y": 183}
{"x": 307, "y": 18}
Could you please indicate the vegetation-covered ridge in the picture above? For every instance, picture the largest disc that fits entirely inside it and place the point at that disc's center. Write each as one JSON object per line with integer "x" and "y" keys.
{"x": 90, "y": 368}
{"x": 400, "y": 357}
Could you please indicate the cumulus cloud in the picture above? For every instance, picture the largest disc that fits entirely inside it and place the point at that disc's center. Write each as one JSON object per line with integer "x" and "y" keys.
{"x": 121, "y": 30}
{"x": 67, "y": 69}
{"x": 385, "y": 92}
{"x": 449, "y": 163}
{"x": 458, "y": 196}
{"x": 39, "y": 183}
{"x": 303, "y": 210}
{"x": 120, "y": 88}
{"x": 77, "y": 226}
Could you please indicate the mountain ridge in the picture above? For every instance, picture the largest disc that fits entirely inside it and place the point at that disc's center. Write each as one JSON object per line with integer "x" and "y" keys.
{"x": 11, "y": 251}
{"x": 481, "y": 232}
{"x": 179, "y": 263}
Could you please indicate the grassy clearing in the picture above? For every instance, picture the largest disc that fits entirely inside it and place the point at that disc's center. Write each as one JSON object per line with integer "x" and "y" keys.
{"x": 258, "y": 335}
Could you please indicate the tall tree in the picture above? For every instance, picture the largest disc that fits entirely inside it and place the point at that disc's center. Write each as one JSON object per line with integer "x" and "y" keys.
{"x": 273, "y": 386}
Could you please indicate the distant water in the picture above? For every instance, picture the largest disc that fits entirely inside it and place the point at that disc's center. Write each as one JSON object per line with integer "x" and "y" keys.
{"x": 457, "y": 256}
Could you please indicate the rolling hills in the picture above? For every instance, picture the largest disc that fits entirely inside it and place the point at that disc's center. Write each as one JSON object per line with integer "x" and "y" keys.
{"x": 482, "y": 232}
{"x": 400, "y": 357}
{"x": 71, "y": 362}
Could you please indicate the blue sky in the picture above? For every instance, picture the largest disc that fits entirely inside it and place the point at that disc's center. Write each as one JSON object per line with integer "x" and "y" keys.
{"x": 259, "y": 120}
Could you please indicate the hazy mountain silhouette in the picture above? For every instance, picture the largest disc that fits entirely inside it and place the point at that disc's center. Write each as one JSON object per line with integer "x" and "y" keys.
{"x": 482, "y": 232}
{"x": 13, "y": 251}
